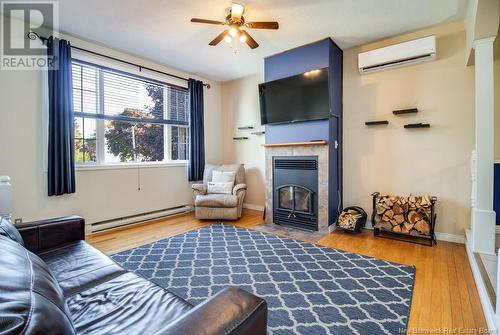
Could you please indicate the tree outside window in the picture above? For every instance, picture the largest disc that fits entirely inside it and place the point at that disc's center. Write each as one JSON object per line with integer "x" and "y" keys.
{"x": 141, "y": 131}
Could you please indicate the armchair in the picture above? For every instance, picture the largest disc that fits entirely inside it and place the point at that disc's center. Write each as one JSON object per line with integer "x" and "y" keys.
{"x": 220, "y": 206}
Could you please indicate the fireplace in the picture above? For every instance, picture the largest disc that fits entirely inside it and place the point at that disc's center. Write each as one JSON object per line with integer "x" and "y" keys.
{"x": 295, "y": 196}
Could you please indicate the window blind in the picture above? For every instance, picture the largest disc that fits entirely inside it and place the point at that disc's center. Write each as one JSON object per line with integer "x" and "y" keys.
{"x": 126, "y": 97}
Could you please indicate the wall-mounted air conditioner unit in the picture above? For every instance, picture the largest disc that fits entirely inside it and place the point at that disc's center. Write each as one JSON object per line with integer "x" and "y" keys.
{"x": 398, "y": 55}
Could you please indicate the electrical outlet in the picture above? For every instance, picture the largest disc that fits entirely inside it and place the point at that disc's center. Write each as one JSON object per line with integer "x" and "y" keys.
{"x": 18, "y": 220}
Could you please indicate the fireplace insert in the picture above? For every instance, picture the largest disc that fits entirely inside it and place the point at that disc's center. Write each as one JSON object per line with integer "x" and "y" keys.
{"x": 295, "y": 198}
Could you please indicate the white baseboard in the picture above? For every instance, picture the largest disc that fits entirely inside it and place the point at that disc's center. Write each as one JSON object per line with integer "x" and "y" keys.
{"x": 488, "y": 310}
{"x": 96, "y": 227}
{"x": 254, "y": 207}
{"x": 450, "y": 237}
{"x": 439, "y": 236}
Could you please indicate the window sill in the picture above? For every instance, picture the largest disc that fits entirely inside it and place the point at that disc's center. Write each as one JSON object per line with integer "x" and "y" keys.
{"x": 118, "y": 166}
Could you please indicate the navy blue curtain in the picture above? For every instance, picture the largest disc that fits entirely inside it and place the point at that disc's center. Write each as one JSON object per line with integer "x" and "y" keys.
{"x": 61, "y": 156}
{"x": 197, "y": 132}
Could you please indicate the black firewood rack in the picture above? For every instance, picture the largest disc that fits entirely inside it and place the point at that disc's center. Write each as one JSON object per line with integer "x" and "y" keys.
{"x": 429, "y": 240}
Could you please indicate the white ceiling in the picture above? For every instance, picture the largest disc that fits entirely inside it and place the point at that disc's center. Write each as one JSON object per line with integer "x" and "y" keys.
{"x": 160, "y": 29}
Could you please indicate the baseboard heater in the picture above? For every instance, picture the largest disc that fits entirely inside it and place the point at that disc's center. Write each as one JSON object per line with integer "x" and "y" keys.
{"x": 131, "y": 219}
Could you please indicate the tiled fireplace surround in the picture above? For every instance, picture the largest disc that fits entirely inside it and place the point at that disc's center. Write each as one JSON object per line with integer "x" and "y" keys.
{"x": 319, "y": 150}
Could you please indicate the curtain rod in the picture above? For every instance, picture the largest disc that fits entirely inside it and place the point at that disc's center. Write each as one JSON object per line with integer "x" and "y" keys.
{"x": 33, "y": 36}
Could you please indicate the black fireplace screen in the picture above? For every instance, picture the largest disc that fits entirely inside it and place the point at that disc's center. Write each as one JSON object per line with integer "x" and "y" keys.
{"x": 295, "y": 199}
{"x": 295, "y": 191}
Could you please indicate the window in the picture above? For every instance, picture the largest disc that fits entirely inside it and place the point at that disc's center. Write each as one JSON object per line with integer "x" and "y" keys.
{"x": 122, "y": 118}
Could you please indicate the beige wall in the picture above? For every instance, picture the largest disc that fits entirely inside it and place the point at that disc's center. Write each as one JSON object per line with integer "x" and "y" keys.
{"x": 390, "y": 159}
{"x": 101, "y": 194}
{"x": 240, "y": 107}
{"x": 396, "y": 160}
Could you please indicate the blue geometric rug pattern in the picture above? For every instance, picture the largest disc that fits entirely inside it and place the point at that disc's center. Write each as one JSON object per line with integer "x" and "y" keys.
{"x": 309, "y": 289}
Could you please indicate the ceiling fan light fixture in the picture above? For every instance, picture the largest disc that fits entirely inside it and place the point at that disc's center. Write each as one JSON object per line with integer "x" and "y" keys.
{"x": 236, "y": 27}
{"x": 233, "y": 31}
{"x": 237, "y": 10}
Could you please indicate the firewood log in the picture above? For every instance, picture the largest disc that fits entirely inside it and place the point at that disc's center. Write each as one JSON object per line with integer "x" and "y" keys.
{"x": 423, "y": 227}
{"x": 408, "y": 226}
{"x": 426, "y": 201}
{"x": 424, "y": 214}
{"x": 397, "y": 209}
{"x": 396, "y": 229}
{"x": 399, "y": 218}
{"x": 404, "y": 207}
{"x": 413, "y": 217}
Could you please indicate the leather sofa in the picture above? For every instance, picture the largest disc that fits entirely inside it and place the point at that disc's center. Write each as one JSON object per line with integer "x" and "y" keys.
{"x": 53, "y": 282}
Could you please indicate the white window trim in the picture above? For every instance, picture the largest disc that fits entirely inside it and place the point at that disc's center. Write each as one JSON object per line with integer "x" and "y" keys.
{"x": 131, "y": 165}
{"x": 100, "y": 143}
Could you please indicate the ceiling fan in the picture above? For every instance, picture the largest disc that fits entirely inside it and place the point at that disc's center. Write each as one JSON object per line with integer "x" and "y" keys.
{"x": 235, "y": 21}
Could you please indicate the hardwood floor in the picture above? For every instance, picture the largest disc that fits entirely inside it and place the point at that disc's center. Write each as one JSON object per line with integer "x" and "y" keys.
{"x": 445, "y": 297}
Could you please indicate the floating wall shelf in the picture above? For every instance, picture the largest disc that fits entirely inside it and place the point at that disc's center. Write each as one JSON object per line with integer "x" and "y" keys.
{"x": 405, "y": 111}
{"x": 417, "y": 125}
{"x": 376, "y": 123}
{"x": 258, "y": 132}
{"x": 240, "y": 138}
{"x": 245, "y": 127}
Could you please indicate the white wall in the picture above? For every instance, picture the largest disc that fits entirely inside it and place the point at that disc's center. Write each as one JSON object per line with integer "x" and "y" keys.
{"x": 391, "y": 159}
{"x": 101, "y": 194}
{"x": 240, "y": 107}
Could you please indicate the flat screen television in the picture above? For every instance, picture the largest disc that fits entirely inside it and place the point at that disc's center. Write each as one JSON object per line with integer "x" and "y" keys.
{"x": 298, "y": 98}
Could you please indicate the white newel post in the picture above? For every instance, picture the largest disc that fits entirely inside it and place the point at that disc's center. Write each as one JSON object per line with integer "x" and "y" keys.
{"x": 497, "y": 310}
{"x": 483, "y": 216}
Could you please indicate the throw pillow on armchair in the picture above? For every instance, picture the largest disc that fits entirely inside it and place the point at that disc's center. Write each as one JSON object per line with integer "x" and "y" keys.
{"x": 219, "y": 188}
{"x": 222, "y": 182}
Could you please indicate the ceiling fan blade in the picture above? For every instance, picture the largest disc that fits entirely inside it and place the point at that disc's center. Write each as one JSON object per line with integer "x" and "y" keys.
{"x": 249, "y": 40}
{"x": 207, "y": 21}
{"x": 237, "y": 11}
{"x": 262, "y": 25}
{"x": 219, "y": 38}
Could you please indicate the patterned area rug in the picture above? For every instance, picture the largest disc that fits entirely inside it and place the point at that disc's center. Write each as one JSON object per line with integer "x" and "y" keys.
{"x": 309, "y": 289}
